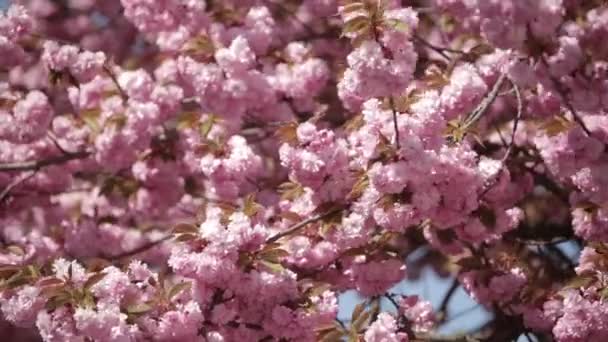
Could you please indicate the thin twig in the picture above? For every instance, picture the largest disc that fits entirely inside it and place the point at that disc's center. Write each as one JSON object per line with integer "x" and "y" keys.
{"x": 141, "y": 249}
{"x": 55, "y": 142}
{"x": 111, "y": 75}
{"x": 562, "y": 93}
{"x": 440, "y": 50}
{"x": 515, "y": 123}
{"x": 448, "y": 296}
{"x": 395, "y": 124}
{"x": 485, "y": 103}
{"x": 556, "y": 241}
{"x": 15, "y": 183}
{"x": 301, "y": 225}
{"x": 389, "y": 296}
{"x": 512, "y": 142}
{"x": 39, "y": 164}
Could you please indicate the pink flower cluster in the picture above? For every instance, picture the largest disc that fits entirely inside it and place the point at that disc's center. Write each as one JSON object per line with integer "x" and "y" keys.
{"x": 183, "y": 170}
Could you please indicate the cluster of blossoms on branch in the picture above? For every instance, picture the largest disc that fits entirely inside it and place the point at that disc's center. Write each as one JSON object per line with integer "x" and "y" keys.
{"x": 203, "y": 170}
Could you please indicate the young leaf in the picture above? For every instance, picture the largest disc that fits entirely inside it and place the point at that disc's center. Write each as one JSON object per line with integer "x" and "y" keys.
{"x": 357, "y": 311}
{"x": 94, "y": 279}
{"x": 272, "y": 267}
{"x": 396, "y": 24}
{"x": 91, "y": 119}
{"x": 187, "y": 120}
{"x": 287, "y": 133}
{"x": 273, "y": 255}
{"x": 291, "y": 216}
{"x": 50, "y": 282}
{"x": 14, "y": 249}
{"x": 139, "y": 309}
{"x": 186, "y": 237}
{"x": 199, "y": 46}
{"x": 356, "y": 25}
{"x": 185, "y": 228}
{"x": 250, "y": 207}
{"x": 178, "y": 288}
{"x": 207, "y": 125}
{"x": 352, "y": 7}
{"x": 557, "y": 125}
{"x": 290, "y": 190}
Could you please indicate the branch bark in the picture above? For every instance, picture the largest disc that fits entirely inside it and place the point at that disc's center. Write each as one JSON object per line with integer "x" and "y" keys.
{"x": 293, "y": 229}
{"x": 36, "y": 165}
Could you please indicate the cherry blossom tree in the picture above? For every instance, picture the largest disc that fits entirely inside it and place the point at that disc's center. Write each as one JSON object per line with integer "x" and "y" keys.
{"x": 204, "y": 170}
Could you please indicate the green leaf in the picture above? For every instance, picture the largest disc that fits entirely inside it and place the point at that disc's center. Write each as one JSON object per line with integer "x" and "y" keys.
{"x": 57, "y": 302}
{"x": 291, "y": 216}
{"x": 272, "y": 266}
{"x": 359, "y": 187}
{"x": 579, "y": 282}
{"x": 291, "y": 190}
{"x": 6, "y": 271}
{"x": 207, "y": 125}
{"x": 52, "y": 281}
{"x": 14, "y": 249}
{"x": 604, "y": 293}
{"x": 199, "y": 46}
{"x": 117, "y": 120}
{"x": 333, "y": 334}
{"x": 91, "y": 119}
{"x": 357, "y": 311}
{"x": 251, "y": 207}
{"x": 178, "y": 288}
{"x": 273, "y": 255}
{"x": 186, "y": 237}
{"x": 352, "y": 7}
{"x": 187, "y": 120}
{"x": 358, "y": 25}
{"x": 363, "y": 318}
{"x": 94, "y": 279}
{"x": 139, "y": 309}
{"x": 185, "y": 228}
{"x": 287, "y": 133}
{"x": 470, "y": 263}
{"x": 396, "y": 24}
{"x": 88, "y": 301}
{"x": 556, "y": 125}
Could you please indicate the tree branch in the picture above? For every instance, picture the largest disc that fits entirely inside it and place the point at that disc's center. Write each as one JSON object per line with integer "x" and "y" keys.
{"x": 39, "y": 164}
{"x": 301, "y": 225}
{"x": 447, "y": 297}
{"x": 562, "y": 93}
{"x": 141, "y": 249}
{"x": 485, "y": 103}
{"x": 395, "y": 124}
{"x": 15, "y": 183}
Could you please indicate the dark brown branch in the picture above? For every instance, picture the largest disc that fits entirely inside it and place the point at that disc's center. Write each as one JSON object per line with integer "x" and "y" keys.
{"x": 141, "y": 249}
{"x": 515, "y": 123}
{"x": 395, "y": 124}
{"x": 15, "y": 183}
{"x": 440, "y": 50}
{"x": 562, "y": 93}
{"x": 487, "y": 101}
{"x": 39, "y": 164}
{"x": 447, "y": 298}
{"x": 298, "y": 226}
{"x": 111, "y": 75}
